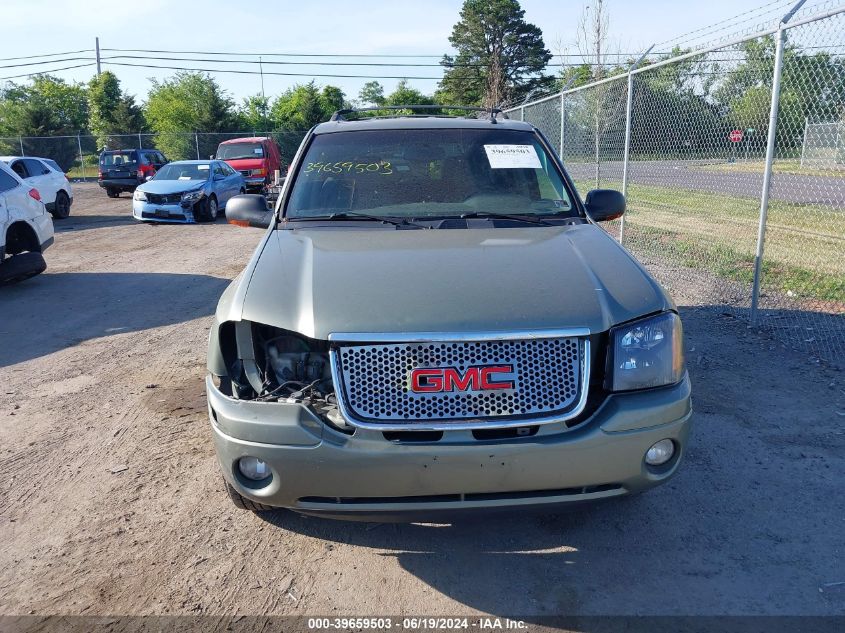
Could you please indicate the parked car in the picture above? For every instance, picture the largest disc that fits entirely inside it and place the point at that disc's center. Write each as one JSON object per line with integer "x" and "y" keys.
{"x": 48, "y": 178}
{"x": 187, "y": 191}
{"x": 256, "y": 158}
{"x": 125, "y": 169}
{"x": 436, "y": 322}
{"x": 26, "y": 229}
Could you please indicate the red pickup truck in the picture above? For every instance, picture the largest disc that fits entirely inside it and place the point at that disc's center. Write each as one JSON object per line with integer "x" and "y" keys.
{"x": 256, "y": 158}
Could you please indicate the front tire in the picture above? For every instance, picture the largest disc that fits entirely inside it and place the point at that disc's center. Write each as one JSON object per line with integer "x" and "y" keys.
{"x": 18, "y": 268}
{"x": 211, "y": 210}
{"x": 61, "y": 209}
{"x": 242, "y": 503}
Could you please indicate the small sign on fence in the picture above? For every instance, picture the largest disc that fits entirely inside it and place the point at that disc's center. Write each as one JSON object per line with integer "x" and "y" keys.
{"x": 735, "y": 136}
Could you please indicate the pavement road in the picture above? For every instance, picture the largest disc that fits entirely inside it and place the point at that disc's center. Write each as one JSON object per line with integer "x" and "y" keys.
{"x": 691, "y": 175}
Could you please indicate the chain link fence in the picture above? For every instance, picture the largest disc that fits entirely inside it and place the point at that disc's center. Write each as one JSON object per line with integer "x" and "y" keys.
{"x": 79, "y": 155}
{"x": 732, "y": 203}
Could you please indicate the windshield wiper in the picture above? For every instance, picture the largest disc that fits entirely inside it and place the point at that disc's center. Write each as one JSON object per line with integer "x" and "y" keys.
{"x": 505, "y": 216}
{"x": 363, "y": 216}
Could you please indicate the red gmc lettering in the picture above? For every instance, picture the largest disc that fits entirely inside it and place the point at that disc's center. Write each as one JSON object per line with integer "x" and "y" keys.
{"x": 450, "y": 379}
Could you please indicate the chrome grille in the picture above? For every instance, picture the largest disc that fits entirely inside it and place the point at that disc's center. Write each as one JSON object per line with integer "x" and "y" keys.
{"x": 167, "y": 198}
{"x": 548, "y": 376}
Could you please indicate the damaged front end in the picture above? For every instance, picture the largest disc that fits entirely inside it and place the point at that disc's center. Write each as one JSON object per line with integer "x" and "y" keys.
{"x": 261, "y": 363}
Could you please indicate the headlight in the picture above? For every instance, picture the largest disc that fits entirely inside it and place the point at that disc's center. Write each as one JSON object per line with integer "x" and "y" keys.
{"x": 193, "y": 196}
{"x": 647, "y": 353}
{"x": 139, "y": 195}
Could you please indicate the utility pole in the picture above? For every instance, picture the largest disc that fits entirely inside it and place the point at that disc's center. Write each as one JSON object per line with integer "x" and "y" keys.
{"x": 263, "y": 98}
{"x": 97, "y": 48}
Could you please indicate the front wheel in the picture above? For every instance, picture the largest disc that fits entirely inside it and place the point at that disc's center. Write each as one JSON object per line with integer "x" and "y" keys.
{"x": 243, "y": 503}
{"x": 210, "y": 214}
{"x": 61, "y": 209}
{"x": 17, "y": 268}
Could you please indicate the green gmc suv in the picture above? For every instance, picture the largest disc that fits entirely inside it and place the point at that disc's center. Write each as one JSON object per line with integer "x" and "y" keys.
{"x": 435, "y": 323}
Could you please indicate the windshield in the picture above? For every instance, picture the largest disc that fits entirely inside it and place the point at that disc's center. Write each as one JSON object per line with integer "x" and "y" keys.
{"x": 53, "y": 164}
{"x": 235, "y": 151}
{"x": 428, "y": 173}
{"x": 183, "y": 171}
{"x": 116, "y": 159}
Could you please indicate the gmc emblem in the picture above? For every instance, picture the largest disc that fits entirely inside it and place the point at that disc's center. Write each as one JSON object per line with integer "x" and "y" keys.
{"x": 440, "y": 379}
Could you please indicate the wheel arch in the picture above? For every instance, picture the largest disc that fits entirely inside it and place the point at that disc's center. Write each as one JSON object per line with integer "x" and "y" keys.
{"x": 21, "y": 237}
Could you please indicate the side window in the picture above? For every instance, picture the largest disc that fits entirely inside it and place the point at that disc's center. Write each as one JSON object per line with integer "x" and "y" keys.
{"x": 20, "y": 169}
{"x": 7, "y": 182}
{"x": 219, "y": 171}
{"x": 36, "y": 167}
{"x": 229, "y": 169}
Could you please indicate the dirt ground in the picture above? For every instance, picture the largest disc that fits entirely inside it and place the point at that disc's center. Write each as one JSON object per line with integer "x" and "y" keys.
{"x": 111, "y": 501}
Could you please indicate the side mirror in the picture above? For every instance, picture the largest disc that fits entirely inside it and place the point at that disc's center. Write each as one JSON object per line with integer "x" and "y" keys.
{"x": 604, "y": 204}
{"x": 249, "y": 209}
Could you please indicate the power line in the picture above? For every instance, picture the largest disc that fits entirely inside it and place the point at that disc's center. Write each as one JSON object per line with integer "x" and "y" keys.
{"x": 49, "y": 61}
{"x": 350, "y": 55}
{"x": 12, "y": 59}
{"x": 255, "y": 72}
{"x": 300, "y": 63}
{"x": 51, "y": 70}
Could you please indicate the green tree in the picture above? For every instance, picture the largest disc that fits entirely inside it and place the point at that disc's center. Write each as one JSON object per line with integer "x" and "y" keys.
{"x": 188, "y": 102}
{"x": 372, "y": 94}
{"x": 254, "y": 113}
{"x": 300, "y": 108}
{"x": 812, "y": 88}
{"x": 111, "y": 111}
{"x": 500, "y": 56}
{"x": 46, "y": 107}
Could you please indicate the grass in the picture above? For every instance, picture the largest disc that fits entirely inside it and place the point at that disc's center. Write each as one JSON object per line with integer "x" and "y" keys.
{"x": 804, "y": 242}
{"x": 790, "y": 166}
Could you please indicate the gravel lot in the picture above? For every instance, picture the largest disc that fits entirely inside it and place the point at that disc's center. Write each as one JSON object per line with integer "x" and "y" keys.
{"x": 111, "y": 503}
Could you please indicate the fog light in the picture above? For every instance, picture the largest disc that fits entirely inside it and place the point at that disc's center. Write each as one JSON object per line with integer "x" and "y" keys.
{"x": 253, "y": 468}
{"x": 659, "y": 453}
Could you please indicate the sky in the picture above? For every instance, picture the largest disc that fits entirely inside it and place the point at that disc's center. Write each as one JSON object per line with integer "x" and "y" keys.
{"x": 396, "y": 27}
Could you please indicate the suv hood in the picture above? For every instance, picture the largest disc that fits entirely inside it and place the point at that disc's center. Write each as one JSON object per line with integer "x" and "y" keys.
{"x": 326, "y": 280}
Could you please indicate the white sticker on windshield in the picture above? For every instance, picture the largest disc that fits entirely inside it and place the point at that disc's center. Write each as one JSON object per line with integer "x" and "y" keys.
{"x": 202, "y": 167}
{"x": 184, "y": 177}
{"x": 258, "y": 150}
{"x": 512, "y": 157}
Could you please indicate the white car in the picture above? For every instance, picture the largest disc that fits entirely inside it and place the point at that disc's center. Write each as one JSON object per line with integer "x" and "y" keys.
{"x": 46, "y": 176}
{"x": 26, "y": 229}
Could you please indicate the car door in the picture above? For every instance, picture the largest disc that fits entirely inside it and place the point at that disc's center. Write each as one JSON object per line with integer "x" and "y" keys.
{"x": 39, "y": 176}
{"x": 222, "y": 183}
{"x": 7, "y": 184}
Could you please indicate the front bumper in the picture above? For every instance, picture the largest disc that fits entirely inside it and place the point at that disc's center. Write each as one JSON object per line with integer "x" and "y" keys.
{"x": 255, "y": 182}
{"x": 318, "y": 470}
{"x": 124, "y": 184}
{"x": 149, "y": 212}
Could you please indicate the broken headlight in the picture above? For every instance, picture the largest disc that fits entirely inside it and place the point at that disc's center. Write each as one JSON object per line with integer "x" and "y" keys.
{"x": 646, "y": 353}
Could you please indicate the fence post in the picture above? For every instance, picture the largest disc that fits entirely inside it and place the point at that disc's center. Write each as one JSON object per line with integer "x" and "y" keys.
{"x": 197, "y": 142}
{"x": 628, "y": 107}
{"x": 140, "y": 143}
{"x": 522, "y": 113}
{"x": 804, "y": 142}
{"x": 770, "y": 157}
{"x": 81, "y": 156}
{"x": 20, "y": 140}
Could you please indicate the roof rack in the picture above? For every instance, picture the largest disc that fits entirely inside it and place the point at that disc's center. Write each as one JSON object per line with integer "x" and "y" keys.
{"x": 340, "y": 115}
